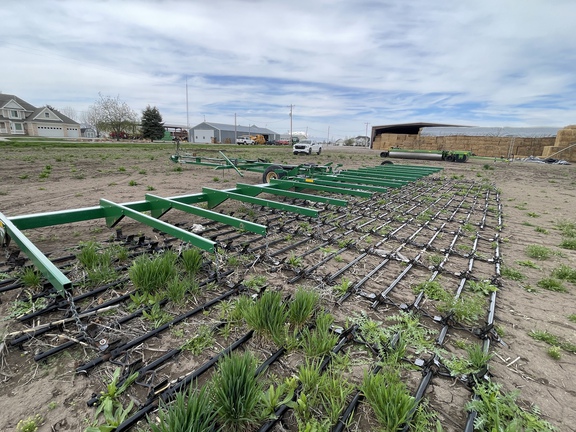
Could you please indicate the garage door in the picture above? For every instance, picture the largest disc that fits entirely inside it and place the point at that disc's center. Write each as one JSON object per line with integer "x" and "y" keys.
{"x": 50, "y": 131}
{"x": 73, "y": 132}
{"x": 203, "y": 136}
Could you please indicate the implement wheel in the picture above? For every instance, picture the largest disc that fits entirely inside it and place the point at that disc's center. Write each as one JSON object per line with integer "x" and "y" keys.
{"x": 273, "y": 172}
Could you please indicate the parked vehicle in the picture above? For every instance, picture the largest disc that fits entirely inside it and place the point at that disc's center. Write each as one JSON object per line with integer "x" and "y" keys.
{"x": 307, "y": 146}
{"x": 245, "y": 139}
{"x": 251, "y": 139}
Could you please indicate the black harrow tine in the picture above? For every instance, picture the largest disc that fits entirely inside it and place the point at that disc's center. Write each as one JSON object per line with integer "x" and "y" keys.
{"x": 118, "y": 351}
{"x": 167, "y": 394}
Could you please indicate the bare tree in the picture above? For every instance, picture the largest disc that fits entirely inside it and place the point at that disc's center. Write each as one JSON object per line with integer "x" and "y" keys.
{"x": 91, "y": 118}
{"x": 69, "y": 112}
{"x": 112, "y": 115}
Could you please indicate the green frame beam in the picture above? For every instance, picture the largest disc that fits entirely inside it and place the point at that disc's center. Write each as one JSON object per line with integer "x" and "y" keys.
{"x": 115, "y": 212}
{"x": 159, "y": 206}
{"x": 333, "y": 181}
{"x": 385, "y": 176}
{"x": 360, "y": 181}
{"x": 254, "y": 190}
{"x": 376, "y": 181}
{"x": 42, "y": 263}
{"x": 309, "y": 184}
{"x": 216, "y": 197}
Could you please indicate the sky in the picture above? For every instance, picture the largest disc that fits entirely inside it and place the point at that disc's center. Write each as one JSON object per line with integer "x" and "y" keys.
{"x": 340, "y": 66}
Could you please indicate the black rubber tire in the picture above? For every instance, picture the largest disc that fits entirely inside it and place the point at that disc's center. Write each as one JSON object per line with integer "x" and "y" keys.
{"x": 319, "y": 151}
{"x": 450, "y": 158}
{"x": 384, "y": 154}
{"x": 309, "y": 151}
{"x": 295, "y": 153}
{"x": 273, "y": 172}
{"x": 387, "y": 163}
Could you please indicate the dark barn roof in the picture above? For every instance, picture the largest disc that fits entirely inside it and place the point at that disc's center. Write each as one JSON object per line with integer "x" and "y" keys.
{"x": 404, "y": 128}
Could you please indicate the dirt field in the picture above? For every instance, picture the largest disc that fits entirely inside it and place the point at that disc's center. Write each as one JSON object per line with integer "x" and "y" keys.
{"x": 535, "y": 198}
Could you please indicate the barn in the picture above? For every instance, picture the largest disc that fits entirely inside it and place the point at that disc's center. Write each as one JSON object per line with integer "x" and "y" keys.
{"x": 508, "y": 142}
{"x": 208, "y": 132}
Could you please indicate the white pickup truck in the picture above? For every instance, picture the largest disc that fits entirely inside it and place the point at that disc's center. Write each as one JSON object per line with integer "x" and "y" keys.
{"x": 307, "y": 146}
{"x": 246, "y": 140}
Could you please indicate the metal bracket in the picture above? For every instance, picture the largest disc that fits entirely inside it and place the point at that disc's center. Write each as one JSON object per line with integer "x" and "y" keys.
{"x": 114, "y": 212}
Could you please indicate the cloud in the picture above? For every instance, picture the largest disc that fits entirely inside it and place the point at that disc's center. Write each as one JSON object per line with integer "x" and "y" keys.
{"x": 340, "y": 63}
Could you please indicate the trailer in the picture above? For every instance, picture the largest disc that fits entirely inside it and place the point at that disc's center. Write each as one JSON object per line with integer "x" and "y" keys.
{"x": 268, "y": 169}
{"x": 440, "y": 155}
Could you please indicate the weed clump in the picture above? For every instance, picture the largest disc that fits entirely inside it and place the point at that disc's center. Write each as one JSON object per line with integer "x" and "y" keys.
{"x": 191, "y": 411}
{"x": 236, "y": 392}
{"x": 538, "y": 252}
{"x": 552, "y": 284}
{"x": 512, "y": 274}
{"x": 499, "y": 411}
{"x": 150, "y": 274}
{"x": 389, "y": 398}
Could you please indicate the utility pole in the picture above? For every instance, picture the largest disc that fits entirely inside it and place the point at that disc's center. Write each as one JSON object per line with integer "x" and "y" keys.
{"x": 291, "y": 106}
{"x": 367, "y": 139}
{"x": 328, "y": 142}
{"x": 235, "y": 130}
{"x": 187, "y": 114}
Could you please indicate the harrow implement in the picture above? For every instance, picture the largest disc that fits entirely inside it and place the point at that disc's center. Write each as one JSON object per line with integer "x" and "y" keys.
{"x": 279, "y": 181}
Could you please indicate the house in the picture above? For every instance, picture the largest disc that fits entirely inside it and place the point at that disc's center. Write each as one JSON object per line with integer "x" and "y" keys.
{"x": 208, "y": 132}
{"x": 18, "y": 117}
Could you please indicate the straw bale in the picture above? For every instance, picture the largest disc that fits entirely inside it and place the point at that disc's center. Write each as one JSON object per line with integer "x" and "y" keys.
{"x": 483, "y": 146}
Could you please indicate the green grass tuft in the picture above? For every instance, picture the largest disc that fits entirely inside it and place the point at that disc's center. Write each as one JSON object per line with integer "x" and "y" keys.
{"x": 191, "y": 411}
{"x": 512, "y": 274}
{"x": 389, "y": 399}
{"x": 528, "y": 263}
{"x": 552, "y": 284}
{"x": 151, "y": 274}
{"x": 538, "y": 252}
{"x": 236, "y": 392}
{"x": 302, "y": 306}
{"x": 192, "y": 261}
{"x": 320, "y": 340}
{"x": 563, "y": 272}
{"x": 568, "y": 243}
{"x": 267, "y": 316}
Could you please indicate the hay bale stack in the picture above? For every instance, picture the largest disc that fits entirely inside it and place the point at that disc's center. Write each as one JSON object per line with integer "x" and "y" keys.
{"x": 489, "y": 146}
{"x": 561, "y": 149}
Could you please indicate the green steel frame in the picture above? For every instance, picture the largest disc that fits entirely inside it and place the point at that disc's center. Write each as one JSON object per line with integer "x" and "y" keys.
{"x": 362, "y": 182}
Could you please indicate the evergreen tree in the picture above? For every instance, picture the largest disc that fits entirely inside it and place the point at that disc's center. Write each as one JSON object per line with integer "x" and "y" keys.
{"x": 152, "y": 126}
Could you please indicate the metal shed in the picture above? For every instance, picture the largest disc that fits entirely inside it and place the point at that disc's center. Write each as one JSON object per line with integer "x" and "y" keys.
{"x": 208, "y": 132}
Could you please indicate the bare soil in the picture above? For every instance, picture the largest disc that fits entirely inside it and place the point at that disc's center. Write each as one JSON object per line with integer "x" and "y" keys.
{"x": 534, "y": 197}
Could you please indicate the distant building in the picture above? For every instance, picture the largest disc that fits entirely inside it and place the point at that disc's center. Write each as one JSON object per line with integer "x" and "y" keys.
{"x": 208, "y": 132}
{"x": 501, "y": 142}
{"x": 88, "y": 131}
{"x": 18, "y": 117}
{"x": 177, "y": 131}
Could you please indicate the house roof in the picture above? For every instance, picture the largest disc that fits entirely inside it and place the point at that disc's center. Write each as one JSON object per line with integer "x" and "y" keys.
{"x": 240, "y": 129}
{"x": 5, "y": 98}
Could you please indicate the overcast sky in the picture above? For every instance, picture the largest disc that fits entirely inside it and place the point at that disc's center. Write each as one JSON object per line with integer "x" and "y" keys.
{"x": 340, "y": 63}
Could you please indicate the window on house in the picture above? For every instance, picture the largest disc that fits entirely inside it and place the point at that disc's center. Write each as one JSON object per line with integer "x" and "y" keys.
{"x": 14, "y": 114}
{"x": 18, "y": 126}
{"x": 47, "y": 114}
